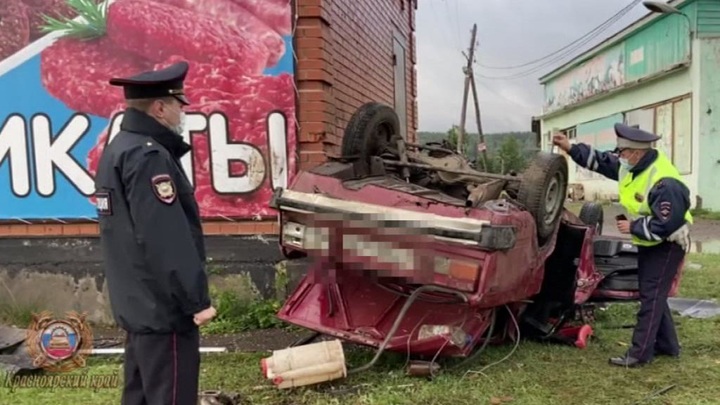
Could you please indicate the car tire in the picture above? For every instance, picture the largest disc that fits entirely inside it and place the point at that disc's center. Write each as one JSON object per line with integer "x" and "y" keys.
{"x": 370, "y": 131}
{"x": 542, "y": 192}
{"x": 592, "y": 214}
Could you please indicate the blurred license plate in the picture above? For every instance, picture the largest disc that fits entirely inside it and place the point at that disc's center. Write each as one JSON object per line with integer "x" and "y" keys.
{"x": 381, "y": 252}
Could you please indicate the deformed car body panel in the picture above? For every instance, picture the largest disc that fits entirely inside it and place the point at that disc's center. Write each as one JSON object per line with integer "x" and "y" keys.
{"x": 507, "y": 275}
{"x": 375, "y": 240}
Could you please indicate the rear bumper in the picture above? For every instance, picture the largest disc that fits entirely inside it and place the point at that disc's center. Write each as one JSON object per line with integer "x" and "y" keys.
{"x": 467, "y": 231}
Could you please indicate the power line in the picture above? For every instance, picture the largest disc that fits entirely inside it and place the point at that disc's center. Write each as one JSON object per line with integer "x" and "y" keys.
{"x": 446, "y": 24}
{"x": 499, "y": 95}
{"x": 577, "y": 44}
{"x": 540, "y": 67}
{"x": 602, "y": 27}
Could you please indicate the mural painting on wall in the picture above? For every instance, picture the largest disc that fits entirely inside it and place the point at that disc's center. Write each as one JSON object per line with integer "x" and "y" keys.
{"x": 599, "y": 74}
{"x": 59, "y": 111}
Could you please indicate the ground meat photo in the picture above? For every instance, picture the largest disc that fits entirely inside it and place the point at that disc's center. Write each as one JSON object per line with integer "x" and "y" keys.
{"x": 14, "y": 27}
{"x": 51, "y": 8}
{"x": 238, "y": 18}
{"x": 275, "y": 13}
{"x": 157, "y": 31}
{"x": 227, "y": 46}
{"x": 76, "y": 72}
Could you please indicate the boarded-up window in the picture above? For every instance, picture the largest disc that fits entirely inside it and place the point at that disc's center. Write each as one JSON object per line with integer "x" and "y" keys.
{"x": 644, "y": 118}
{"x": 664, "y": 128}
{"x": 682, "y": 130}
{"x": 672, "y": 120}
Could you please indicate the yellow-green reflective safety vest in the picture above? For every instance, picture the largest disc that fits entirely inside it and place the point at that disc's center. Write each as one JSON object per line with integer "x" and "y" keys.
{"x": 634, "y": 192}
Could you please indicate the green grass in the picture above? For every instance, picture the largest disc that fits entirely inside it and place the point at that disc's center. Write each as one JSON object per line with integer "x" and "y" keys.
{"x": 706, "y": 214}
{"x": 535, "y": 374}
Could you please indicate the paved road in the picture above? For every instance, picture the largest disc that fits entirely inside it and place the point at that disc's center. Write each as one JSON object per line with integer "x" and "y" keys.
{"x": 705, "y": 233}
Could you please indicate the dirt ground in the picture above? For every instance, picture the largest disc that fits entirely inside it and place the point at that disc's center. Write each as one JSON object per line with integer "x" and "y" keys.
{"x": 264, "y": 340}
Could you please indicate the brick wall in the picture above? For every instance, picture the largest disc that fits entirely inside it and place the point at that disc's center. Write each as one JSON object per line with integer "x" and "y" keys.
{"x": 345, "y": 59}
{"x": 91, "y": 229}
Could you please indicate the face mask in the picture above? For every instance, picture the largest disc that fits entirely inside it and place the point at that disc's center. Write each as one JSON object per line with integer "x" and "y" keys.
{"x": 625, "y": 164}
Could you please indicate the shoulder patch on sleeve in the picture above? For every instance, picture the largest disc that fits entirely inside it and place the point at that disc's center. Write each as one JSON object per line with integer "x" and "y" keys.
{"x": 665, "y": 209}
{"x": 103, "y": 203}
{"x": 164, "y": 188}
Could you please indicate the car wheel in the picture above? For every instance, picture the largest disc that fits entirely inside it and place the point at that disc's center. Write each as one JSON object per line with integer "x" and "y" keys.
{"x": 592, "y": 214}
{"x": 371, "y": 131}
{"x": 542, "y": 192}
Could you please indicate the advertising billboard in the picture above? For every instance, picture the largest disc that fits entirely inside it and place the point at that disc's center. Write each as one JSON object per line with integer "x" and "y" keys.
{"x": 58, "y": 111}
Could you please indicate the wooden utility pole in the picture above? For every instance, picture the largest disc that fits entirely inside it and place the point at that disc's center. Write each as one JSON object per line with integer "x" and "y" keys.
{"x": 468, "y": 72}
{"x": 479, "y": 123}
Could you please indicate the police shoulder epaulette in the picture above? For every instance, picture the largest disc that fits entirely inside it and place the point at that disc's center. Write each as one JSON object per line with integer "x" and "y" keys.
{"x": 150, "y": 148}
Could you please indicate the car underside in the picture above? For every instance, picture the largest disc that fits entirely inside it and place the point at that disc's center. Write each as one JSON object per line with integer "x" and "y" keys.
{"x": 408, "y": 248}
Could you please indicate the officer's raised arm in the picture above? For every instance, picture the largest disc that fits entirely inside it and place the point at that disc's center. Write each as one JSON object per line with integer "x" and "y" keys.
{"x": 162, "y": 229}
{"x": 669, "y": 201}
{"x": 605, "y": 163}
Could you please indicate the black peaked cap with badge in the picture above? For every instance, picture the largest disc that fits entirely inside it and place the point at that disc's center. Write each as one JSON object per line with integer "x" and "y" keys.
{"x": 156, "y": 83}
{"x": 631, "y": 136}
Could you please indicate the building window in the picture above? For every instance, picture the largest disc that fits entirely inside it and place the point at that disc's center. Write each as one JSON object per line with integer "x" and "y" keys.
{"x": 570, "y": 133}
{"x": 672, "y": 120}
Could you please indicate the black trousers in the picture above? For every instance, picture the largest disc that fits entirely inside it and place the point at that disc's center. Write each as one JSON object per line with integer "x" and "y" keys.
{"x": 655, "y": 329}
{"x": 161, "y": 369}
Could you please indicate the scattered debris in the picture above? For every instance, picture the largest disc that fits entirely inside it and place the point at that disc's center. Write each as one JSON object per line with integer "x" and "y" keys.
{"x": 694, "y": 308}
{"x": 10, "y": 336}
{"x": 14, "y": 357}
{"x": 694, "y": 266}
{"x": 305, "y": 365}
{"x": 219, "y": 398}
{"x": 419, "y": 368}
{"x": 121, "y": 351}
{"x": 655, "y": 394}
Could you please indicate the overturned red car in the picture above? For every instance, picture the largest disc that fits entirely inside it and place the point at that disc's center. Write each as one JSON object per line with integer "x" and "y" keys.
{"x": 410, "y": 249}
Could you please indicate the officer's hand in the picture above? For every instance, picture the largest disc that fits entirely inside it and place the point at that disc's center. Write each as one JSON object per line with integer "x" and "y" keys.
{"x": 623, "y": 226}
{"x": 562, "y": 142}
{"x": 204, "y": 316}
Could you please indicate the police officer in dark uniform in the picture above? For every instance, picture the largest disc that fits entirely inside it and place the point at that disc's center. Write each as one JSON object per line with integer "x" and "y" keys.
{"x": 658, "y": 203}
{"x": 152, "y": 242}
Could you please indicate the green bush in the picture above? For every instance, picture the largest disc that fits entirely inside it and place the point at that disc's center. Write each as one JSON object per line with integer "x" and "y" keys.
{"x": 236, "y": 315}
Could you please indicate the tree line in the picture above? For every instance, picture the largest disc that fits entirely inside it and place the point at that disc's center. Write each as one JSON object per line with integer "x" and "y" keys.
{"x": 506, "y": 151}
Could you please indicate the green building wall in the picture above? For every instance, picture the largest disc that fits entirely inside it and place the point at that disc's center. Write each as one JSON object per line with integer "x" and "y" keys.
{"x": 708, "y": 18}
{"x": 707, "y": 109}
{"x": 601, "y": 115}
{"x": 656, "y": 69}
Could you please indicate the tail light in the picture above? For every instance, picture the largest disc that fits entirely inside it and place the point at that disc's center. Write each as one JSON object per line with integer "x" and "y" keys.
{"x": 456, "y": 268}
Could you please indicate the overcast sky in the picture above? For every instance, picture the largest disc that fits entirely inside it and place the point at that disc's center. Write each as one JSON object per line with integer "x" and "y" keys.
{"x": 510, "y": 32}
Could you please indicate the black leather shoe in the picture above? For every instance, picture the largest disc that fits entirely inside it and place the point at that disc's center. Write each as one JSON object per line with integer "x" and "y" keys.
{"x": 627, "y": 361}
{"x": 667, "y": 354}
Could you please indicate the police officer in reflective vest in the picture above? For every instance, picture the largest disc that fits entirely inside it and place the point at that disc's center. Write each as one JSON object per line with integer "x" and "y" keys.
{"x": 152, "y": 242}
{"x": 658, "y": 205}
